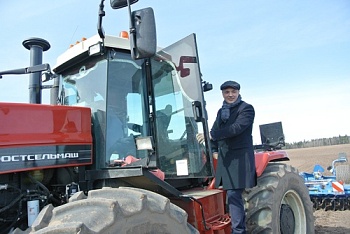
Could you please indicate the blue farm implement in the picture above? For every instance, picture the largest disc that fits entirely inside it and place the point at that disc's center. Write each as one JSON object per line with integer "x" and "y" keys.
{"x": 330, "y": 192}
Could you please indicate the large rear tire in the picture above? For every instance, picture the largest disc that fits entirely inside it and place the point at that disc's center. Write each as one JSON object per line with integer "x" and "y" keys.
{"x": 114, "y": 210}
{"x": 280, "y": 203}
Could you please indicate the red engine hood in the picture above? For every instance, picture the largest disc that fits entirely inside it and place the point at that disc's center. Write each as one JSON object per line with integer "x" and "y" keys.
{"x": 36, "y": 136}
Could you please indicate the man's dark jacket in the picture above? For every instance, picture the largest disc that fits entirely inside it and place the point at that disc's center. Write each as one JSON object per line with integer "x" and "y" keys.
{"x": 233, "y": 141}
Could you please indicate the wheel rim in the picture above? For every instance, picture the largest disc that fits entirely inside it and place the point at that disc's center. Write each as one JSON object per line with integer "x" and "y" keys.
{"x": 292, "y": 214}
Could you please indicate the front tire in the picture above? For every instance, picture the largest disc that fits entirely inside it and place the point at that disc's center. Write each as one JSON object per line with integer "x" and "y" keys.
{"x": 280, "y": 203}
{"x": 114, "y": 210}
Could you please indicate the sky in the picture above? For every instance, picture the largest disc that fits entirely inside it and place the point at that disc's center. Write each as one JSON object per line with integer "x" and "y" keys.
{"x": 292, "y": 58}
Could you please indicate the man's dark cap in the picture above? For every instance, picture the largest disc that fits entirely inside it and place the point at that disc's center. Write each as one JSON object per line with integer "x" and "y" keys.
{"x": 230, "y": 84}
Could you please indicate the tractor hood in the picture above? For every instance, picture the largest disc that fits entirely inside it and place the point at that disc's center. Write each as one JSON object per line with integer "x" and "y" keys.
{"x": 34, "y": 136}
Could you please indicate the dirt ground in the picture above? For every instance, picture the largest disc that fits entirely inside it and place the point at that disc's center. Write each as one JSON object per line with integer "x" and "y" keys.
{"x": 304, "y": 159}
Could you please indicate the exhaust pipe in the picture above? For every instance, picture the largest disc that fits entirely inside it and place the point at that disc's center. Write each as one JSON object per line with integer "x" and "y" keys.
{"x": 36, "y": 47}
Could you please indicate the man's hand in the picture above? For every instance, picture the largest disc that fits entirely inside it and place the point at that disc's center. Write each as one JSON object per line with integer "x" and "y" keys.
{"x": 200, "y": 138}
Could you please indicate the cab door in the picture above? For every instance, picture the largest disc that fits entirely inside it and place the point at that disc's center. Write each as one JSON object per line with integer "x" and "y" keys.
{"x": 179, "y": 111}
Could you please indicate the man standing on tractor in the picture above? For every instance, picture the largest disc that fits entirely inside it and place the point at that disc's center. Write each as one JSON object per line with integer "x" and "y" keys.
{"x": 231, "y": 137}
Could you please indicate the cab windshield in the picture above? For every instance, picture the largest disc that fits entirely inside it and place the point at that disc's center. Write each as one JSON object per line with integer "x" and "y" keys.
{"x": 126, "y": 105}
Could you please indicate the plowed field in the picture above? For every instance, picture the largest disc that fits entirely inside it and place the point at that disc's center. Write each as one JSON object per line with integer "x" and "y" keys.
{"x": 305, "y": 159}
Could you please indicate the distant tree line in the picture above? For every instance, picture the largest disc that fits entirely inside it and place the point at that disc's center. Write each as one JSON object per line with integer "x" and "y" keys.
{"x": 319, "y": 142}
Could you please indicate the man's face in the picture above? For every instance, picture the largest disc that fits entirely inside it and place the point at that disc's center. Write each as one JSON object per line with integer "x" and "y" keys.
{"x": 230, "y": 95}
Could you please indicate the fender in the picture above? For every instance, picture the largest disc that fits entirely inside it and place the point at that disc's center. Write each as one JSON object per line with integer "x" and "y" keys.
{"x": 264, "y": 157}
{"x": 261, "y": 161}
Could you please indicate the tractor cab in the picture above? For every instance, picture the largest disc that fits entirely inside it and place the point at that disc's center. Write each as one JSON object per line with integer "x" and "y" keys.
{"x": 145, "y": 112}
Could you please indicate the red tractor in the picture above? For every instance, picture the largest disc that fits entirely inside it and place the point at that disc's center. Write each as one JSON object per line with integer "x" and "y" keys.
{"x": 116, "y": 151}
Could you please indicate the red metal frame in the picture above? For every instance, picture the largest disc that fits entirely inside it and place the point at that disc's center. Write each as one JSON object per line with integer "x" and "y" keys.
{"x": 213, "y": 207}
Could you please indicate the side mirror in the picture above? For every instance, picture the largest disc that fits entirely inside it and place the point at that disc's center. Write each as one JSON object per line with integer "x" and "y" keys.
{"x": 143, "y": 41}
{"x": 207, "y": 86}
{"x": 117, "y": 4}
